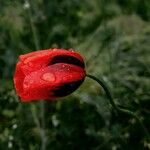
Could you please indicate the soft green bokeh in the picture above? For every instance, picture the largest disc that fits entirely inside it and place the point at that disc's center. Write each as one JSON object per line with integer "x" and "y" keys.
{"x": 114, "y": 38}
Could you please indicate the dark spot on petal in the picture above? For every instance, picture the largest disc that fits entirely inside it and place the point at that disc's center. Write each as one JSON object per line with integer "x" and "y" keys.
{"x": 67, "y": 60}
{"x": 67, "y": 89}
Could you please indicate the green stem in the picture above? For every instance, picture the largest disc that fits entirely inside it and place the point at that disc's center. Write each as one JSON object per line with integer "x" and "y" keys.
{"x": 33, "y": 30}
{"x": 101, "y": 82}
{"x": 117, "y": 108}
{"x": 42, "y": 104}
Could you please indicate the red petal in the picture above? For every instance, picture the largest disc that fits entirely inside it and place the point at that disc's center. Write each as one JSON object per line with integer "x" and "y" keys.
{"x": 19, "y": 78}
{"x": 39, "y": 59}
{"x": 41, "y": 84}
{"x": 37, "y": 75}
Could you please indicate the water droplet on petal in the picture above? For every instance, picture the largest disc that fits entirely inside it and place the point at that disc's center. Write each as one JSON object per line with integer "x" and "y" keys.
{"x": 70, "y": 76}
{"x": 50, "y": 77}
{"x": 72, "y": 50}
{"x": 63, "y": 66}
{"x": 31, "y": 81}
{"x": 25, "y": 84}
{"x": 30, "y": 64}
{"x": 65, "y": 78}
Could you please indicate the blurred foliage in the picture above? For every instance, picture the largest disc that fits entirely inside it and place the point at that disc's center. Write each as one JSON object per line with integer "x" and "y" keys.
{"x": 114, "y": 38}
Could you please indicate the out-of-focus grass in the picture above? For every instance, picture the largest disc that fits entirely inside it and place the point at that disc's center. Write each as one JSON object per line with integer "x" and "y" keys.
{"x": 114, "y": 38}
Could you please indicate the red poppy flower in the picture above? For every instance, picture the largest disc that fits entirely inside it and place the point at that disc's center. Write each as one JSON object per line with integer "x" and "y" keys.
{"x": 48, "y": 74}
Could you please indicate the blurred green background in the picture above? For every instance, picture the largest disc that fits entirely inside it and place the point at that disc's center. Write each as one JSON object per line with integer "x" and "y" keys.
{"x": 114, "y": 38}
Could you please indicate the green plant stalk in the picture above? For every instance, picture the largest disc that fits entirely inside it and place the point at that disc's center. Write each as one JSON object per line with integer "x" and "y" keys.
{"x": 41, "y": 126}
{"x": 33, "y": 29}
{"x": 117, "y": 108}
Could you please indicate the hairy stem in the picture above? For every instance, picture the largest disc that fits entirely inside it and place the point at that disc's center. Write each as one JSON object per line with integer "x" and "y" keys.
{"x": 117, "y": 108}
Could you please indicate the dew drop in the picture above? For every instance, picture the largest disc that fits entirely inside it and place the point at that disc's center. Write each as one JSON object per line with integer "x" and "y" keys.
{"x": 30, "y": 64}
{"x": 70, "y": 76}
{"x": 63, "y": 66}
{"x": 50, "y": 77}
{"x": 31, "y": 81}
{"x": 25, "y": 84}
{"x": 71, "y": 49}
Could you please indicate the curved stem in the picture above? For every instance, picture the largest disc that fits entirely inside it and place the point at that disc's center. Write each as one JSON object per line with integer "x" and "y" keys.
{"x": 101, "y": 82}
{"x": 117, "y": 108}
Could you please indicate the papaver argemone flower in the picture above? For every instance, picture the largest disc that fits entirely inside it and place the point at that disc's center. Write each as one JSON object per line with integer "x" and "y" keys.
{"x": 48, "y": 74}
